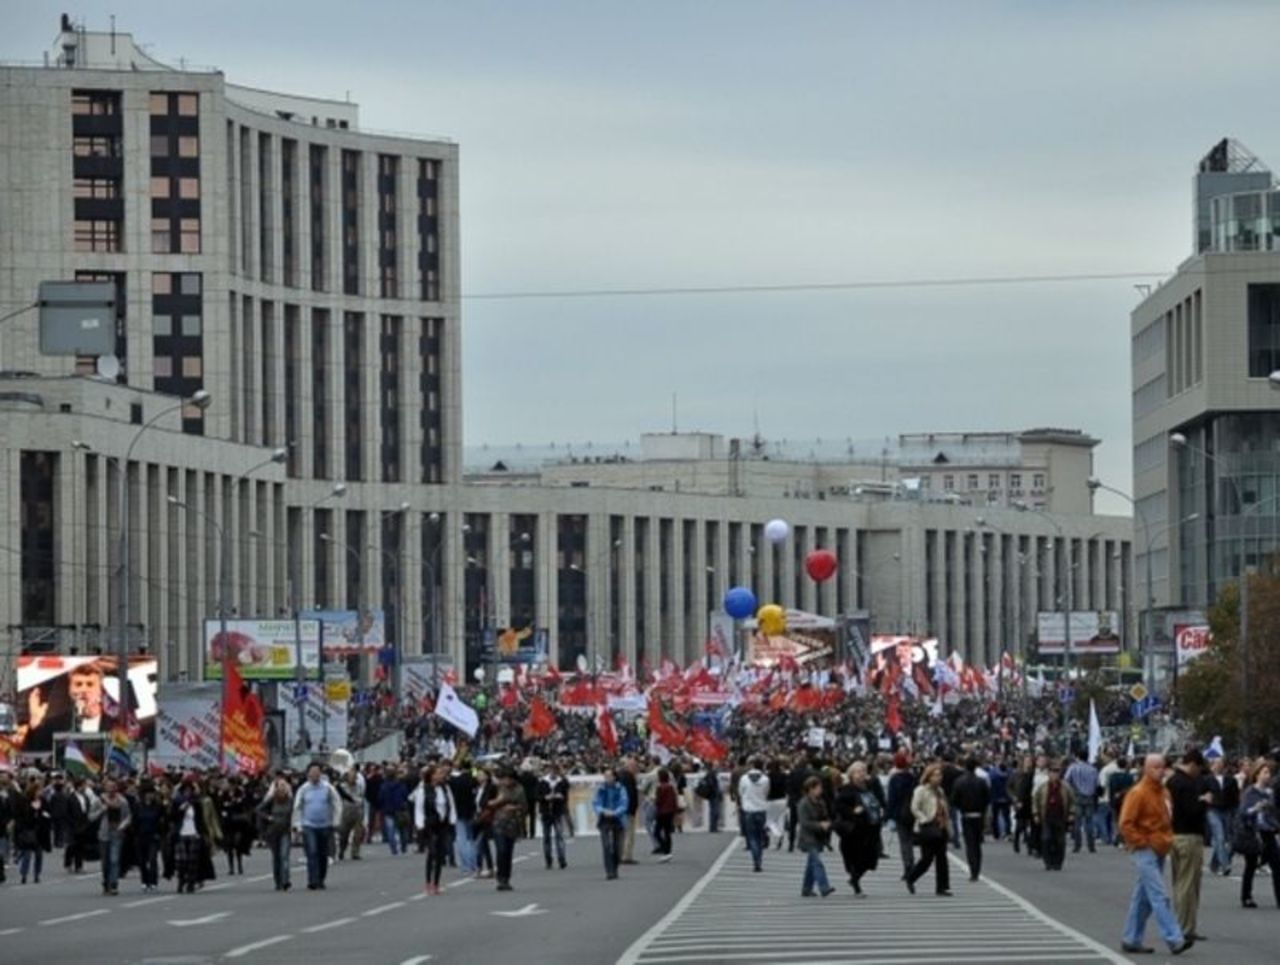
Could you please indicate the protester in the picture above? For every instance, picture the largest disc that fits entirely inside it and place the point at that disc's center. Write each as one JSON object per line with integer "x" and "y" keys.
{"x": 1147, "y": 828}
{"x": 112, "y": 813}
{"x": 611, "y": 808}
{"x": 1190, "y": 795}
{"x": 971, "y": 796}
{"x": 1257, "y": 827}
{"x": 753, "y": 804}
{"x": 276, "y": 812}
{"x": 1224, "y": 801}
{"x": 902, "y": 784}
{"x": 666, "y": 806}
{"x": 815, "y": 828}
{"x": 510, "y": 809}
{"x": 1054, "y": 808}
{"x": 434, "y": 816}
{"x": 553, "y": 799}
{"x": 930, "y": 812}
{"x": 1082, "y": 778}
{"x": 859, "y": 811}
{"x": 317, "y": 811}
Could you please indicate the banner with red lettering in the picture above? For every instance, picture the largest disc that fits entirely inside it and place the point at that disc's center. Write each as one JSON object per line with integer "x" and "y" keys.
{"x": 1191, "y": 641}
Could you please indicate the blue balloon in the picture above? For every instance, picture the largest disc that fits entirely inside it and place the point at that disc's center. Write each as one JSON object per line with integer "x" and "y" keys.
{"x": 739, "y": 603}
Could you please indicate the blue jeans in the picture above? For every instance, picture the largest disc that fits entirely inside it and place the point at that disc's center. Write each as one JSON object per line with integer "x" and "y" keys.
{"x": 390, "y": 833}
{"x": 1085, "y": 808}
{"x": 316, "y": 843}
{"x": 1103, "y": 820}
{"x": 1220, "y": 838}
{"x": 1150, "y": 897}
{"x": 713, "y": 813}
{"x": 611, "y": 833}
{"x": 815, "y": 874}
{"x": 280, "y": 859}
{"x": 466, "y": 847}
{"x": 111, "y": 860}
{"x": 753, "y": 825}
{"x": 28, "y": 856}
{"x": 552, "y": 831}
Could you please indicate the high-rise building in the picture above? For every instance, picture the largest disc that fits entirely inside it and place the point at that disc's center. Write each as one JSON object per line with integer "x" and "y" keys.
{"x": 1206, "y": 413}
{"x": 304, "y": 273}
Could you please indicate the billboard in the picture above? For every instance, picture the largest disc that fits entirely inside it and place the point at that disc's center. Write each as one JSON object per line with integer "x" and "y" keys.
{"x": 345, "y": 632}
{"x": 515, "y": 645}
{"x": 79, "y": 694}
{"x": 914, "y": 659}
{"x": 187, "y": 728}
{"x": 809, "y": 638}
{"x": 1191, "y": 642}
{"x": 1092, "y": 631}
{"x": 262, "y": 649}
{"x": 326, "y": 719}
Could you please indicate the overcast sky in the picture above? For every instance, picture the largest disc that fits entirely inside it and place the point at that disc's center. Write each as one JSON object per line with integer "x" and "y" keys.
{"x": 608, "y": 145}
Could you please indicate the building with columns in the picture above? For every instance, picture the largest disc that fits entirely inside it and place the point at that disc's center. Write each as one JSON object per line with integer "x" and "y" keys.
{"x": 304, "y": 273}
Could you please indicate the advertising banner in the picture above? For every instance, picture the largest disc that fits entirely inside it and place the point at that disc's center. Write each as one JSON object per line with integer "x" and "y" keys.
{"x": 1191, "y": 642}
{"x": 1092, "y": 631}
{"x": 262, "y": 649}
{"x": 512, "y": 645}
{"x": 914, "y": 658}
{"x": 344, "y": 632}
{"x": 79, "y": 694}
{"x": 326, "y": 720}
{"x": 187, "y": 727}
{"x": 809, "y": 638}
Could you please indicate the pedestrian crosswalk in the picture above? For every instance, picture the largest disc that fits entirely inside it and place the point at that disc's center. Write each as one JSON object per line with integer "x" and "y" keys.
{"x": 736, "y": 915}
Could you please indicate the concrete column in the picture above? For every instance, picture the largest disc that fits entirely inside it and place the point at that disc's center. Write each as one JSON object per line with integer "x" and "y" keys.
{"x": 626, "y": 557}
{"x": 597, "y": 561}
{"x": 412, "y": 601}
{"x": 546, "y": 585}
{"x": 696, "y": 635}
{"x": 655, "y": 626}
{"x": 789, "y": 598}
{"x": 500, "y": 568}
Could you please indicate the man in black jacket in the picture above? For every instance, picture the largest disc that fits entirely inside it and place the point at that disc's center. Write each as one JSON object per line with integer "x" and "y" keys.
{"x": 971, "y": 796}
{"x": 463, "y": 786}
{"x": 553, "y": 797}
{"x": 800, "y": 772}
{"x": 1223, "y": 804}
{"x": 950, "y": 774}
{"x": 902, "y": 784}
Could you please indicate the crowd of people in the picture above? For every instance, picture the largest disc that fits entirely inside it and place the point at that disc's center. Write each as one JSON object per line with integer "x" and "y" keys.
{"x": 954, "y": 777}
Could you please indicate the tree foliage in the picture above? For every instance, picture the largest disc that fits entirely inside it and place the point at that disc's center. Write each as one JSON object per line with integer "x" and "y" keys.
{"x": 1212, "y": 692}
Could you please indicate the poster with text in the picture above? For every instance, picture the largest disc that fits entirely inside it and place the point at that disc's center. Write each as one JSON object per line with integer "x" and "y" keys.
{"x": 262, "y": 649}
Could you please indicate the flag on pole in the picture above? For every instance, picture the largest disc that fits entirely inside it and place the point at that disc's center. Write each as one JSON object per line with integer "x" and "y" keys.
{"x": 893, "y": 715}
{"x": 1095, "y": 732}
{"x": 541, "y": 721}
{"x": 451, "y": 708}
{"x": 77, "y": 764}
{"x": 1214, "y": 750}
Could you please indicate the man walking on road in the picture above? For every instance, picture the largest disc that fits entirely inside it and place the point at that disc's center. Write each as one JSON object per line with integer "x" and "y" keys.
{"x": 553, "y": 795}
{"x": 611, "y": 806}
{"x": 1226, "y": 801}
{"x": 753, "y": 805}
{"x": 317, "y": 810}
{"x": 1147, "y": 829}
{"x": 627, "y": 778}
{"x": 1191, "y": 796}
{"x": 971, "y": 796}
{"x": 1082, "y": 778}
{"x": 1053, "y": 805}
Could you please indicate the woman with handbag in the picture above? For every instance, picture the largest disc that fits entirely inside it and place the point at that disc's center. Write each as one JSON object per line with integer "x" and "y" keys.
{"x": 1255, "y": 835}
{"x": 482, "y": 827}
{"x": 929, "y": 808}
{"x": 859, "y": 810}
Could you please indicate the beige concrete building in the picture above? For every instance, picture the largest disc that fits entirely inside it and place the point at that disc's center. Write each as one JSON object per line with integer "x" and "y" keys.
{"x": 305, "y": 274}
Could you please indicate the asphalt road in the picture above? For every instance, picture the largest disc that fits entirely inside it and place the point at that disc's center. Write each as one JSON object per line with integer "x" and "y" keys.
{"x": 373, "y": 911}
{"x": 1091, "y": 894}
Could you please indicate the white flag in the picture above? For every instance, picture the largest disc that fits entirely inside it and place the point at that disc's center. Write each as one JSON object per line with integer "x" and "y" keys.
{"x": 450, "y": 707}
{"x": 1095, "y": 732}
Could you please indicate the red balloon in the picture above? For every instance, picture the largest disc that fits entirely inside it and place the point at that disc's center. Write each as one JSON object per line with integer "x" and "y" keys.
{"x": 821, "y": 565}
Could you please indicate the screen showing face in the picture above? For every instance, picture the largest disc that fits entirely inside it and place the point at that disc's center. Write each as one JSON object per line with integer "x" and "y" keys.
{"x": 80, "y": 695}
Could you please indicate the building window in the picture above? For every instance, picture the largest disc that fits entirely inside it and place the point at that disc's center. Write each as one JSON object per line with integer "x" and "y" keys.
{"x": 38, "y": 474}
{"x": 1264, "y": 330}
{"x": 288, "y": 212}
{"x": 430, "y": 410}
{"x": 948, "y": 482}
{"x": 96, "y": 235}
{"x": 1015, "y": 482}
{"x": 320, "y": 392}
{"x": 117, "y": 278}
{"x": 1037, "y": 481}
{"x": 973, "y": 480}
{"x": 177, "y": 340}
{"x": 317, "y": 161}
{"x": 175, "y": 173}
{"x": 353, "y": 395}
{"x": 389, "y": 397}
{"x": 388, "y": 250}
{"x": 428, "y": 229}
{"x": 351, "y": 222}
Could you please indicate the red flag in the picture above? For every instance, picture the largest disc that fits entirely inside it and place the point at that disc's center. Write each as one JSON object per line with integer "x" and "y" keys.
{"x": 508, "y": 697}
{"x": 892, "y": 716}
{"x": 669, "y": 734}
{"x": 605, "y": 729}
{"x": 541, "y": 721}
{"x": 243, "y": 743}
{"x": 705, "y": 746}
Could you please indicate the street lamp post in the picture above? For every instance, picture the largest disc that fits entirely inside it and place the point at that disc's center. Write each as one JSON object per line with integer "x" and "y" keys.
{"x": 200, "y": 399}
{"x": 1144, "y": 644}
{"x": 300, "y": 678}
{"x": 355, "y": 555}
{"x": 1065, "y": 599}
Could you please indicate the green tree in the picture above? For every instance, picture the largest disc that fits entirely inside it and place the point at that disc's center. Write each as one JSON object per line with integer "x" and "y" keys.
{"x": 1212, "y": 693}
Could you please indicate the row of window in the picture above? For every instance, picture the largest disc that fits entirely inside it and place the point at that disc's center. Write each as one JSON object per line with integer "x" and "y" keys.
{"x": 995, "y": 481}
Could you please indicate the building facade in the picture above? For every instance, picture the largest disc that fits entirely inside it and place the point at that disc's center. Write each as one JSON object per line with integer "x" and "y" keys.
{"x": 304, "y": 274}
{"x": 1206, "y": 413}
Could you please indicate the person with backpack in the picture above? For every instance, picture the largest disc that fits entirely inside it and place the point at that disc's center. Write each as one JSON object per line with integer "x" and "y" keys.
{"x": 859, "y": 812}
{"x": 902, "y": 784}
{"x": 666, "y": 805}
{"x": 708, "y": 788}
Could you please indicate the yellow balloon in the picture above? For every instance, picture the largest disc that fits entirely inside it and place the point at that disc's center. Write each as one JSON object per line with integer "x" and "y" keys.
{"x": 772, "y": 620}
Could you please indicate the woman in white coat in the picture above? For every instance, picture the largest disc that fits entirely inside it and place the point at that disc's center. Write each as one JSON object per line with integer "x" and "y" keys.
{"x": 434, "y": 817}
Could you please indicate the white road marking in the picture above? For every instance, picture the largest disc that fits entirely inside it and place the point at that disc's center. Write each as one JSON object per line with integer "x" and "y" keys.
{"x": 633, "y": 953}
{"x": 417, "y": 960}
{"x": 381, "y": 909}
{"x": 206, "y": 920}
{"x": 217, "y": 887}
{"x": 143, "y": 902}
{"x": 336, "y": 923}
{"x": 258, "y": 878}
{"x": 77, "y": 917}
{"x": 244, "y": 950}
{"x": 460, "y": 882}
{"x": 10, "y": 931}
{"x": 524, "y": 912}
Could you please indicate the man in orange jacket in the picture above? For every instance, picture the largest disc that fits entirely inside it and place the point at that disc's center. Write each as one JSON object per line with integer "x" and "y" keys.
{"x": 1146, "y": 824}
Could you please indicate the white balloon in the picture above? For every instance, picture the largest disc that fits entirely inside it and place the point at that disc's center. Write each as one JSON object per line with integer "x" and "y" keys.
{"x": 582, "y": 663}
{"x": 776, "y": 530}
{"x": 479, "y": 673}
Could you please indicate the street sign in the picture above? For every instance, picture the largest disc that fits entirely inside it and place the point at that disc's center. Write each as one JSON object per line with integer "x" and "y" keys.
{"x": 1067, "y": 694}
{"x": 1137, "y": 691}
{"x": 299, "y": 693}
{"x": 1145, "y": 706}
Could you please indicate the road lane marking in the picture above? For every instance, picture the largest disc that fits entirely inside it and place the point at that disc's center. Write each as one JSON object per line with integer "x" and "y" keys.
{"x": 10, "y": 931}
{"x": 259, "y": 877}
{"x": 417, "y": 960}
{"x": 244, "y": 950}
{"x": 77, "y": 917}
{"x": 143, "y": 902}
{"x": 524, "y": 912}
{"x": 206, "y": 920}
{"x": 337, "y": 923}
{"x": 381, "y": 909}
{"x": 633, "y": 953}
